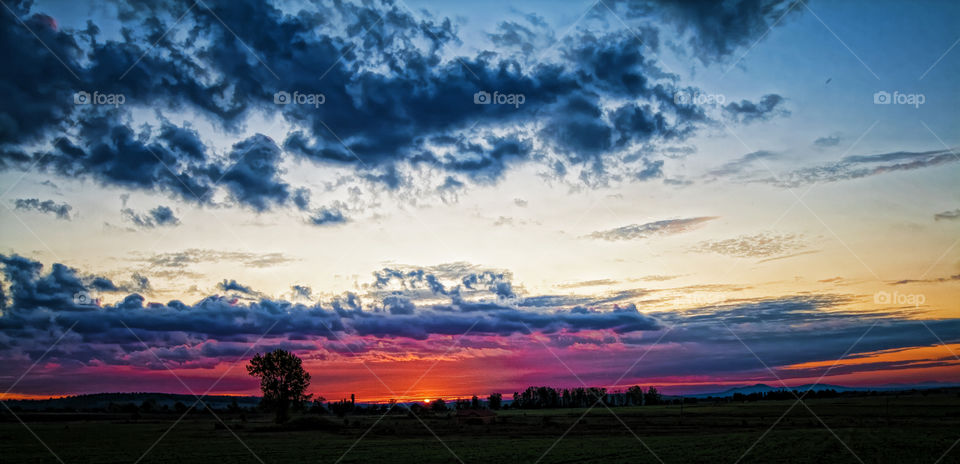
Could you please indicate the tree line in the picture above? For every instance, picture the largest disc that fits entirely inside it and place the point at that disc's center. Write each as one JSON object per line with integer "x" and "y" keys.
{"x": 583, "y": 397}
{"x": 284, "y": 383}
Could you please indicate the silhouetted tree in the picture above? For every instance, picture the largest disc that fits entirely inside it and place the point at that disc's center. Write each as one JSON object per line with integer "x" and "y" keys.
{"x": 438, "y": 405}
{"x": 474, "y": 402}
{"x": 282, "y": 380}
{"x": 148, "y": 405}
{"x": 652, "y": 396}
{"x": 342, "y": 407}
{"x": 416, "y": 409}
{"x": 317, "y": 406}
{"x": 495, "y": 401}
{"x": 179, "y": 407}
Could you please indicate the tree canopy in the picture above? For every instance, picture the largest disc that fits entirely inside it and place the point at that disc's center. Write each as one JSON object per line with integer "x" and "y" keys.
{"x": 283, "y": 380}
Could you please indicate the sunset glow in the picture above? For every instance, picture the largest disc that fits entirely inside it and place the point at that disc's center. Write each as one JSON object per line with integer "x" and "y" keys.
{"x": 453, "y": 202}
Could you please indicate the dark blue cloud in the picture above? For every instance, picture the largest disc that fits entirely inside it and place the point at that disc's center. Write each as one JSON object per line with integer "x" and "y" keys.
{"x": 41, "y": 306}
{"x": 253, "y": 178}
{"x": 327, "y": 217}
{"x": 398, "y": 304}
{"x": 747, "y": 111}
{"x": 301, "y": 199}
{"x": 60, "y": 289}
{"x": 393, "y": 96}
{"x": 115, "y": 154}
{"x": 302, "y": 291}
{"x": 714, "y": 29}
{"x": 103, "y": 284}
{"x": 37, "y": 92}
{"x": 234, "y": 286}
{"x": 61, "y": 210}
{"x": 161, "y": 216}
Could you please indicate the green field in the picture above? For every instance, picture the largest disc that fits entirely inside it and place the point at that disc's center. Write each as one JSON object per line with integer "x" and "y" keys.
{"x": 879, "y": 429}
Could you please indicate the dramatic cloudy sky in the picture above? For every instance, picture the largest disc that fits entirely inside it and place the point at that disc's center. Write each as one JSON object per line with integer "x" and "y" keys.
{"x": 428, "y": 198}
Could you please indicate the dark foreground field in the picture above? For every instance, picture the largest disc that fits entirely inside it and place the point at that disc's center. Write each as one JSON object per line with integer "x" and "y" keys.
{"x": 882, "y": 429}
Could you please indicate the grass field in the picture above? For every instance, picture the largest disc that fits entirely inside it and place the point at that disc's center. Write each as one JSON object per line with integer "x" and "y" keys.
{"x": 882, "y": 429}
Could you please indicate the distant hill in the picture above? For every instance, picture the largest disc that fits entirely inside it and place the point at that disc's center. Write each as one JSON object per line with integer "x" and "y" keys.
{"x": 103, "y": 400}
{"x": 764, "y": 388}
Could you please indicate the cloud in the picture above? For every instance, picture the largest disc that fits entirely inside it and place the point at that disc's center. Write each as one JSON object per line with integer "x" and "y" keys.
{"x": 61, "y": 210}
{"x": 827, "y": 142}
{"x": 762, "y": 245}
{"x": 952, "y": 278}
{"x": 161, "y": 216}
{"x": 302, "y": 291}
{"x": 137, "y": 284}
{"x": 185, "y": 258}
{"x": 234, "y": 286}
{"x": 947, "y": 215}
{"x": 301, "y": 199}
{"x": 524, "y": 38}
{"x": 747, "y": 111}
{"x": 253, "y": 178}
{"x": 397, "y": 304}
{"x": 397, "y": 103}
{"x": 714, "y": 30}
{"x": 739, "y": 166}
{"x": 452, "y": 279}
{"x": 589, "y": 283}
{"x": 650, "y": 229}
{"x": 327, "y": 216}
{"x": 43, "y": 305}
{"x": 860, "y": 166}
{"x": 402, "y": 324}
{"x": 792, "y": 255}
{"x": 114, "y": 154}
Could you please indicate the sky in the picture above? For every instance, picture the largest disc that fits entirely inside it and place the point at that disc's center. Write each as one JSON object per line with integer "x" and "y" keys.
{"x": 429, "y": 199}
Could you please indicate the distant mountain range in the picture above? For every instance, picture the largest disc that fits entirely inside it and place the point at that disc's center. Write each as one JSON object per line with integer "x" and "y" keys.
{"x": 764, "y": 388}
{"x": 103, "y": 400}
